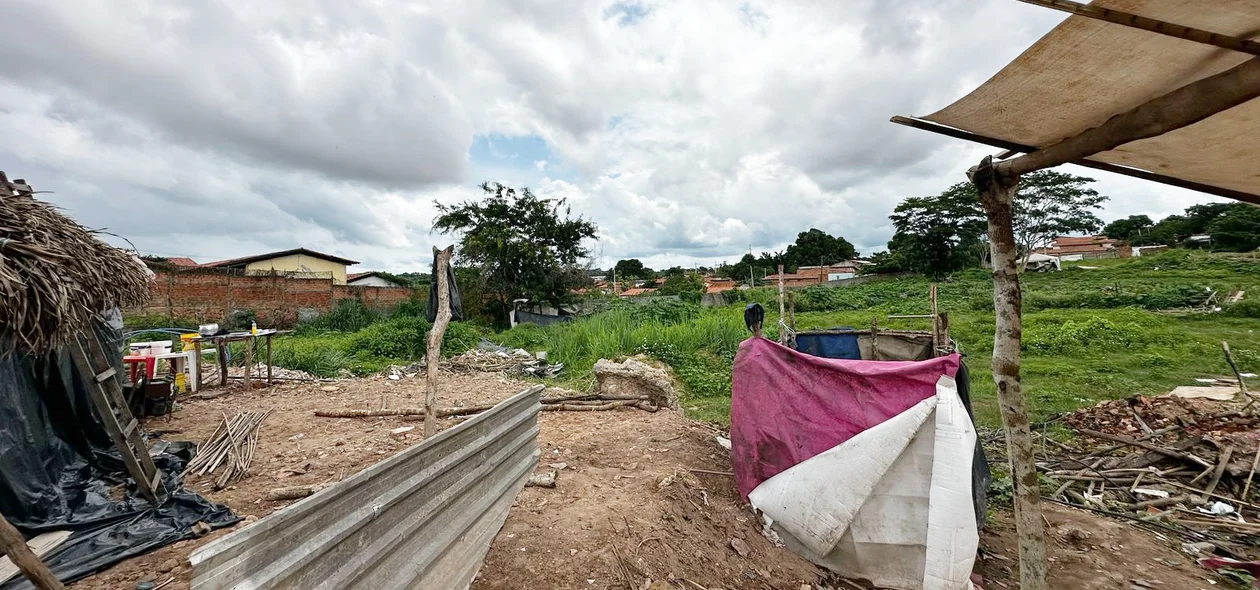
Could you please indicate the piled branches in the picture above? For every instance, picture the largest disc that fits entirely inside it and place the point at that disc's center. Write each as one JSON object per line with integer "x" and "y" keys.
{"x": 232, "y": 446}
{"x": 1182, "y": 465}
{"x": 573, "y": 403}
{"x": 55, "y": 276}
{"x": 502, "y": 361}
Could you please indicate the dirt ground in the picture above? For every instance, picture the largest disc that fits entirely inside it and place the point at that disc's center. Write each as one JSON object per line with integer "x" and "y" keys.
{"x": 1091, "y": 552}
{"x": 633, "y": 488}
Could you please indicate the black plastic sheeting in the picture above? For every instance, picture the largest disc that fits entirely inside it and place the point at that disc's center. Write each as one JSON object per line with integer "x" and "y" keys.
{"x": 58, "y": 467}
{"x": 452, "y": 291}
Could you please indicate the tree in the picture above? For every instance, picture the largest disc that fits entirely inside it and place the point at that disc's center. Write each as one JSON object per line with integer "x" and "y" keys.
{"x": 687, "y": 286}
{"x": 945, "y": 233}
{"x": 816, "y": 247}
{"x": 524, "y": 246}
{"x": 1128, "y": 228}
{"x": 744, "y": 270}
{"x": 937, "y": 235}
{"x": 1050, "y": 204}
{"x": 1237, "y": 229}
{"x": 632, "y": 269}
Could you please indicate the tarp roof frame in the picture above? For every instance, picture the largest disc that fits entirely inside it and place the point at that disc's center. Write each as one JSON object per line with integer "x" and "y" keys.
{"x": 1086, "y": 71}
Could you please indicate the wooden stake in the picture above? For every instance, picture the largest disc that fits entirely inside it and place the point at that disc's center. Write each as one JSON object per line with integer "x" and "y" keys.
{"x": 434, "y": 350}
{"x": 783, "y": 339}
{"x": 1242, "y": 383}
{"x": 997, "y": 195}
{"x": 936, "y": 321}
{"x": 15, "y": 547}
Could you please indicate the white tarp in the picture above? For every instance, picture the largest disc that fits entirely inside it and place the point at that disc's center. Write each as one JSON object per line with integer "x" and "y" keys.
{"x": 1086, "y": 71}
{"x": 892, "y": 505}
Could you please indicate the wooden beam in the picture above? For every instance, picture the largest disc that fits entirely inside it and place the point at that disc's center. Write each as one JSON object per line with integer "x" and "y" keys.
{"x": 441, "y": 261}
{"x": 1129, "y": 19}
{"x": 14, "y": 546}
{"x": 1096, "y": 165}
{"x": 1182, "y": 107}
{"x": 997, "y": 195}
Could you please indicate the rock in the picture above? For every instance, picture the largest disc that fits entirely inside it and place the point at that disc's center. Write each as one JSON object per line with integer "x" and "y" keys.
{"x": 168, "y": 565}
{"x": 635, "y": 377}
{"x": 200, "y": 529}
{"x": 542, "y": 480}
{"x": 329, "y": 388}
{"x": 1072, "y": 535}
{"x": 740, "y": 547}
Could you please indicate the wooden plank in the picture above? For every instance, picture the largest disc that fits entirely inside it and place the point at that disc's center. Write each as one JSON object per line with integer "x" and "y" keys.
{"x": 948, "y": 131}
{"x": 1152, "y": 25}
{"x": 40, "y": 546}
{"x": 15, "y": 547}
{"x": 106, "y": 374}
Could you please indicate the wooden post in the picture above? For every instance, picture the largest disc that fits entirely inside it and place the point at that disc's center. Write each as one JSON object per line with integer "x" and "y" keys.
{"x": 997, "y": 195}
{"x": 197, "y": 361}
{"x": 249, "y": 359}
{"x": 936, "y": 321}
{"x": 15, "y": 547}
{"x": 221, "y": 348}
{"x": 434, "y": 350}
{"x": 269, "y": 360}
{"x": 783, "y": 339}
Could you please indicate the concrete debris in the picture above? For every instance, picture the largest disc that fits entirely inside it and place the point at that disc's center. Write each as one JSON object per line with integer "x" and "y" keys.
{"x": 636, "y": 378}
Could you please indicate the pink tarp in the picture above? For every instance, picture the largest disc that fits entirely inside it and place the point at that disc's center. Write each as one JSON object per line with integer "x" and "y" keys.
{"x": 787, "y": 406}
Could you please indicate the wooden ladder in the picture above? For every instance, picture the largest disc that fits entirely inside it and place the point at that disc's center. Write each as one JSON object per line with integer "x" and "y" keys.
{"x": 104, "y": 386}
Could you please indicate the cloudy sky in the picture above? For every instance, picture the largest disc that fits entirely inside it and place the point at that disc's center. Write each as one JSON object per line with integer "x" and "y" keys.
{"x": 689, "y": 131}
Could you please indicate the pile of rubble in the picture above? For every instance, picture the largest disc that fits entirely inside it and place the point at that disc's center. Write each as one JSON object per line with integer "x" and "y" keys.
{"x": 1180, "y": 464}
{"x": 491, "y": 358}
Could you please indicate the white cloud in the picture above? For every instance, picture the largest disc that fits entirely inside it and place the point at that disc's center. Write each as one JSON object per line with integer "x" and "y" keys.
{"x": 689, "y": 131}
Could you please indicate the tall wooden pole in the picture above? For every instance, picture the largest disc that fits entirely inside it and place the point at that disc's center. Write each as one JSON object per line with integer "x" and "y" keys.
{"x": 22, "y": 556}
{"x": 997, "y": 195}
{"x": 434, "y": 350}
{"x": 783, "y": 337}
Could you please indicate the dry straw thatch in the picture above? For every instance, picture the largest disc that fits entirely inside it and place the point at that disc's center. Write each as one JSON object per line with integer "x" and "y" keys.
{"x": 55, "y": 275}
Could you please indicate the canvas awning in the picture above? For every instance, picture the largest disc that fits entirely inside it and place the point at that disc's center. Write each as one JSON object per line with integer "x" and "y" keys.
{"x": 1086, "y": 71}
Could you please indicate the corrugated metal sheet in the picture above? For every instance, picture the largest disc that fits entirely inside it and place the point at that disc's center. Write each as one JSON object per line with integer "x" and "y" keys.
{"x": 423, "y": 518}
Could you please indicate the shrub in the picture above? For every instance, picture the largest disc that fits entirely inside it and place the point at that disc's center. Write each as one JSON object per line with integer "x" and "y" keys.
{"x": 348, "y": 315}
{"x": 1093, "y": 332}
{"x": 666, "y": 312}
{"x": 322, "y": 361}
{"x": 407, "y": 337}
{"x": 1248, "y": 308}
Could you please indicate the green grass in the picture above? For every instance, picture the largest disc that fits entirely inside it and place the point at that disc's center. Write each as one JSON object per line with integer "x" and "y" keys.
{"x": 1089, "y": 335}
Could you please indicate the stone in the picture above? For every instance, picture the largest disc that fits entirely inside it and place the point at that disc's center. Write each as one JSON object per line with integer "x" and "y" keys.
{"x": 636, "y": 377}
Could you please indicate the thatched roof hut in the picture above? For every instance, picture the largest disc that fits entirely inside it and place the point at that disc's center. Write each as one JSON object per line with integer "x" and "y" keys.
{"x": 55, "y": 275}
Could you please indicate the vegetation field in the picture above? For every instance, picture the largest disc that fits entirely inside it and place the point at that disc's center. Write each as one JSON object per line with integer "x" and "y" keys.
{"x": 1120, "y": 328}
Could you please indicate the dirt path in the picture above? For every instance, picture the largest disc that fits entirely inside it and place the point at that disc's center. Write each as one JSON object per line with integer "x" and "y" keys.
{"x": 626, "y": 490}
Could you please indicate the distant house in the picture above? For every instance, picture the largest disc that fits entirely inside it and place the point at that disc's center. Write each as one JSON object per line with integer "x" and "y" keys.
{"x": 181, "y": 261}
{"x": 1070, "y": 248}
{"x": 298, "y": 261}
{"x": 816, "y": 275}
{"x": 637, "y": 291}
{"x": 715, "y": 285}
{"x": 371, "y": 279}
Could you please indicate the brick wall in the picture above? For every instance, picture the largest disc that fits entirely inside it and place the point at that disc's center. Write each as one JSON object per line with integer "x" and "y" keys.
{"x": 213, "y": 295}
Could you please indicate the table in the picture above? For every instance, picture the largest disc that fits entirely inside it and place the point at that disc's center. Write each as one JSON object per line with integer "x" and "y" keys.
{"x": 222, "y": 340}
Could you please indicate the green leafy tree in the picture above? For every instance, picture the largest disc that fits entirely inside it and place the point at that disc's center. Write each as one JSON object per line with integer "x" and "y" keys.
{"x": 1050, "y": 203}
{"x": 687, "y": 286}
{"x": 816, "y": 247}
{"x": 1237, "y": 229}
{"x": 632, "y": 269}
{"x": 942, "y": 234}
{"x": 1128, "y": 228}
{"x": 936, "y": 235}
{"x": 746, "y": 269}
{"x": 523, "y": 246}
